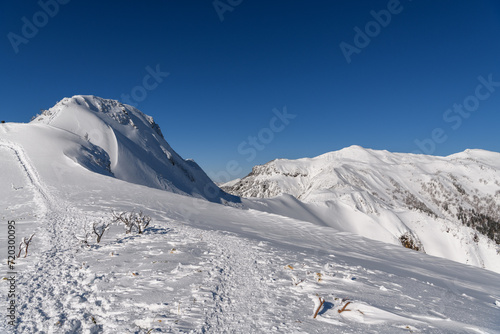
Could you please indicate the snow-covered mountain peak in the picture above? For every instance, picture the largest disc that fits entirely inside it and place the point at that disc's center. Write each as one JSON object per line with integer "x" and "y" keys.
{"x": 111, "y": 112}
{"x": 353, "y": 153}
{"x": 482, "y": 157}
{"x": 134, "y": 143}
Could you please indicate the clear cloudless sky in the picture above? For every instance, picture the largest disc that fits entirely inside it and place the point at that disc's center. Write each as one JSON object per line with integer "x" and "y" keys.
{"x": 227, "y": 76}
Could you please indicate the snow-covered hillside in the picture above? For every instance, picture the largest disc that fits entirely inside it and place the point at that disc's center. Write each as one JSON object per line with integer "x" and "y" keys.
{"x": 124, "y": 142}
{"x": 444, "y": 206}
{"x": 200, "y": 267}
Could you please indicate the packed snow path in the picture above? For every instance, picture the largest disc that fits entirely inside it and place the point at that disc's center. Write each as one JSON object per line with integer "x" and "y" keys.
{"x": 50, "y": 289}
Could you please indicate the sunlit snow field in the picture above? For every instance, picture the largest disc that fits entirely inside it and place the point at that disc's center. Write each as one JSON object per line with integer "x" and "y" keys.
{"x": 204, "y": 267}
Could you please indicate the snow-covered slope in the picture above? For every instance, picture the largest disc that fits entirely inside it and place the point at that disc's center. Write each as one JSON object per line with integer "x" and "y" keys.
{"x": 445, "y": 206}
{"x": 128, "y": 144}
{"x": 203, "y": 267}
{"x": 230, "y": 183}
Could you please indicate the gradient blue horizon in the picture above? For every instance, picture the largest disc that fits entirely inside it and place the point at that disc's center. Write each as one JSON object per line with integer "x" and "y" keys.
{"x": 226, "y": 77}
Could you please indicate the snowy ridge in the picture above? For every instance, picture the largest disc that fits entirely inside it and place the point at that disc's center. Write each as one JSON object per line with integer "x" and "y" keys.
{"x": 129, "y": 145}
{"x": 444, "y": 206}
{"x": 202, "y": 267}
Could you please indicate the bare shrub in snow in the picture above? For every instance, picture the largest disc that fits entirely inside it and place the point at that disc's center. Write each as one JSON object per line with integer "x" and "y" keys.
{"x": 132, "y": 220}
{"x": 24, "y": 244}
{"x": 142, "y": 221}
{"x": 99, "y": 229}
{"x": 321, "y": 302}
{"x": 94, "y": 227}
{"x": 411, "y": 242}
{"x": 84, "y": 239}
{"x": 126, "y": 218}
{"x": 344, "y": 309}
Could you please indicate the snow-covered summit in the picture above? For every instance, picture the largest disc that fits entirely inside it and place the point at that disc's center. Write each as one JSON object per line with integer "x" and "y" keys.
{"x": 133, "y": 143}
{"x": 447, "y": 206}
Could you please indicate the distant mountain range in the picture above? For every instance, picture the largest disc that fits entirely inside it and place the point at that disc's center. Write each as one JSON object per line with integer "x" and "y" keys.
{"x": 444, "y": 206}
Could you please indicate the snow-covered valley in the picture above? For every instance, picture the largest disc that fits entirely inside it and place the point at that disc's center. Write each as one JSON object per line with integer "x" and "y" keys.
{"x": 220, "y": 265}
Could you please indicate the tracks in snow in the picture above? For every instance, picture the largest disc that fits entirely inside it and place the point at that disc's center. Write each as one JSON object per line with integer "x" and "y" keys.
{"x": 42, "y": 196}
{"x": 50, "y": 291}
{"x": 242, "y": 299}
{"x": 53, "y": 295}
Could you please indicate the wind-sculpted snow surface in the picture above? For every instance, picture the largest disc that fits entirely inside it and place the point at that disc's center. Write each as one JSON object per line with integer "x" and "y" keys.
{"x": 203, "y": 267}
{"x": 130, "y": 145}
{"x": 207, "y": 268}
{"x": 444, "y": 206}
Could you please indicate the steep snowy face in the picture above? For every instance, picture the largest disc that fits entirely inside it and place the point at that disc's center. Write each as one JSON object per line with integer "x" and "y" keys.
{"x": 133, "y": 143}
{"x": 446, "y": 206}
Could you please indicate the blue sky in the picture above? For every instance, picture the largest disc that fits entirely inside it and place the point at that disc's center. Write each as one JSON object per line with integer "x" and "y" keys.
{"x": 227, "y": 76}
